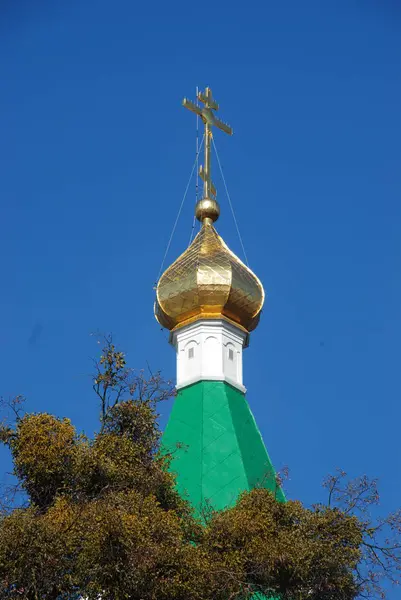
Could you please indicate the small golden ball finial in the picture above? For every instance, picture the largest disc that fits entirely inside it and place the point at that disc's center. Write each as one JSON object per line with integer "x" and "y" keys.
{"x": 207, "y": 208}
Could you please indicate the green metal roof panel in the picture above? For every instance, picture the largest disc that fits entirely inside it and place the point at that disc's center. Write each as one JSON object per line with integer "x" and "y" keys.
{"x": 222, "y": 451}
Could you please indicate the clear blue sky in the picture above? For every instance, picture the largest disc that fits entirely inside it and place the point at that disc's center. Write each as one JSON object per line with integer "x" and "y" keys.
{"x": 96, "y": 151}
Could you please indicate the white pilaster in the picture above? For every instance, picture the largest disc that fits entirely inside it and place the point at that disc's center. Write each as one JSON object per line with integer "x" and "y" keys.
{"x": 209, "y": 350}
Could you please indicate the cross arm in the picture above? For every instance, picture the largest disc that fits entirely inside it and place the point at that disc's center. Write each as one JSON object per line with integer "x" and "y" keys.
{"x": 202, "y": 175}
{"x": 223, "y": 126}
{"x": 191, "y": 106}
{"x": 208, "y": 100}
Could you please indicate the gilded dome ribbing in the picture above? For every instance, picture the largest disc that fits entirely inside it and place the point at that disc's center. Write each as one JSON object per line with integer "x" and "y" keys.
{"x": 208, "y": 282}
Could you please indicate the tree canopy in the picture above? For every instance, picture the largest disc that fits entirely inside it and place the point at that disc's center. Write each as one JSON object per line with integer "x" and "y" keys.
{"x": 100, "y": 517}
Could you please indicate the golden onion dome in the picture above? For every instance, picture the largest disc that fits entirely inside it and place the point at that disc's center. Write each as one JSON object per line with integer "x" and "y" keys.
{"x": 208, "y": 282}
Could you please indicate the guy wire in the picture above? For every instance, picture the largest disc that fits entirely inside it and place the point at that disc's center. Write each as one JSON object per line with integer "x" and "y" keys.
{"x": 229, "y": 201}
{"x": 179, "y": 211}
{"x": 197, "y": 168}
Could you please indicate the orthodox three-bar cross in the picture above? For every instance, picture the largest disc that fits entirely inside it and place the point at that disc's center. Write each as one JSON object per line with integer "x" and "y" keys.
{"x": 206, "y": 113}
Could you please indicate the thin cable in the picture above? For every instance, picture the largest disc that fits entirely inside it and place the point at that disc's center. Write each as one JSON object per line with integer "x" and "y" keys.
{"x": 197, "y": 168}
{"x": 229, "y": 201}
{"x": 192, "y": 230}
{"x": 197, "y": 149}
{"x": 179, "y": 213}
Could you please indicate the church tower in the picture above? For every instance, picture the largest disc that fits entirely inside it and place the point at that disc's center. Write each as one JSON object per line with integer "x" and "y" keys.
{"x": 211, "y": 301}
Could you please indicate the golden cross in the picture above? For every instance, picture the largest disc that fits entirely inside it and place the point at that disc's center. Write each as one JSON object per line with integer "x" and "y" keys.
{"x": 206, "y": 113}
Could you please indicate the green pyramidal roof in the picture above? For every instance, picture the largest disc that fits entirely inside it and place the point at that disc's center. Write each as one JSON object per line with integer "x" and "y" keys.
{"x": 221, "y": 451}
